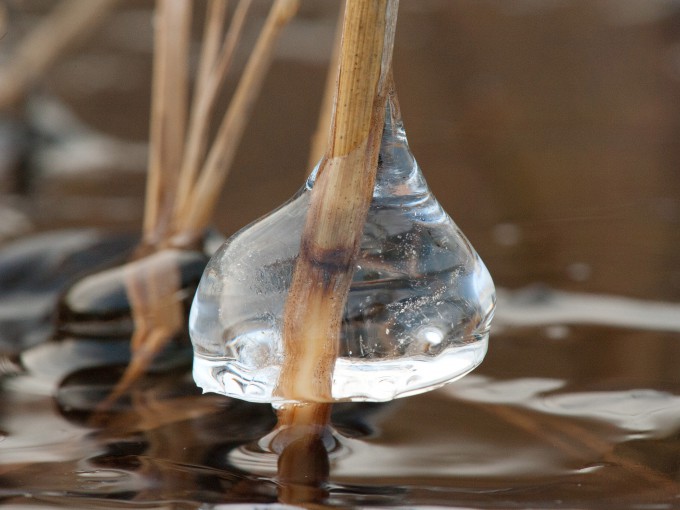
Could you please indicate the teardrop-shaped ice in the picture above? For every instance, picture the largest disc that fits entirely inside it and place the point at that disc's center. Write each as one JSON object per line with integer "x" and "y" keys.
{"x": 418, "y": 311}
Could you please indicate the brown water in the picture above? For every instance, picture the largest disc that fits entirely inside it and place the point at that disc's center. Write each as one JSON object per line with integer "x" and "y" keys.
{"x": 548, "y": 129}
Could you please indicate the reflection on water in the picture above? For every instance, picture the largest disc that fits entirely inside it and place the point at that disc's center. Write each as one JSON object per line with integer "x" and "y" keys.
{"x": 544, "y": 420}
{"x": 547, "y": 128}
{"x": 538, "y": 305}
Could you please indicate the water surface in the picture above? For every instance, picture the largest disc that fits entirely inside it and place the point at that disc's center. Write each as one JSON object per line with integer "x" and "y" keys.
{"x": 547, "y": 129}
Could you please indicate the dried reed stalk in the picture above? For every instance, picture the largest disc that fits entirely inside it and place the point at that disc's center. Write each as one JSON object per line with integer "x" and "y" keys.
{"x": 153, "y": 284}
{"x": 198, "y": 212}
{"x": 68, "y": 23}
{"x": 168, "y": 114}
{"x": 176, "y": 155}
{"x": 213, "y": 70}
{"x": 339, "y": 203}
{"x": 216, "y": 15}
{"x": 152, "y": 278}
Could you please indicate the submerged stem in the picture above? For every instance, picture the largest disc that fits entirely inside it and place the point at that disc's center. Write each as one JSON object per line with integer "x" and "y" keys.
{"x": 303, "y": 462}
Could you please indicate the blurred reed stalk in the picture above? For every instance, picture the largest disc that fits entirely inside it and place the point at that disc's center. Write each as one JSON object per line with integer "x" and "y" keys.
{"x": 169, "y": 97}
{"x": 334, "y": 224}
{"x": 69, "y": 22}
{"x": 206, "y": 189}
{"x": 187, "y": 170}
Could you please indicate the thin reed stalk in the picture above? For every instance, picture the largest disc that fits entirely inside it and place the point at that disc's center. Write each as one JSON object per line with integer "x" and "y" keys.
{"x": 153, "y": 284}
{"x": 212, "y": 73}
{"x": 197, "y": 214}
{"x": 216, "y": 16}
{"x": 339, "y": 203}
{"x": 178, "y": 175}
{"x": 152, "y": 278}
{"x": 168, "y": 114}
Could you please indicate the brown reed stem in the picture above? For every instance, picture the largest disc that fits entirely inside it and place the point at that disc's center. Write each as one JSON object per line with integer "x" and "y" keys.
{"x": 68, "y": 23}
{"x": 204, "y": 197}
{"x": 212, "y": 73}
{"x": 168, "y": 114}
{"x": 215, "y": 17}
{"x": 303, "y": 466}
{"x": 339, "y": 203}
{"x": 153, "y": 285}
{"x": 152, "y": 277}
{"x": 152, "y": 280}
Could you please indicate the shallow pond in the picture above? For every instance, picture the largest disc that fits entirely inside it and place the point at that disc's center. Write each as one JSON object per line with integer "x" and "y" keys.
{"x": 549, "y": 131}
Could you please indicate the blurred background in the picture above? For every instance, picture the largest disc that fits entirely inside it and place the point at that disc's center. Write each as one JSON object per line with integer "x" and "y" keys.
{"x": 548, "y": 129}
{"x": 550, "y": 132}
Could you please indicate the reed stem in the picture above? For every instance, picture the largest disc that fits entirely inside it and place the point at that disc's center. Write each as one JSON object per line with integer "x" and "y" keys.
{"x": 168, "y": 114}
{"x": 212, "y": 74}
{"x": 175, "y": 188}
{"x": 303, "y": 464}
{"x": 215, "y": 17}
{"x": 196, "y": 216}
{"x": 339, "y": 203}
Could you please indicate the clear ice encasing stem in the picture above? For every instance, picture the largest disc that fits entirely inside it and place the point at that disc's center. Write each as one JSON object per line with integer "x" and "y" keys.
{"x": 417, "y": 313}
{"x": 418, "y": 310}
